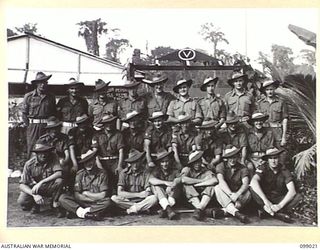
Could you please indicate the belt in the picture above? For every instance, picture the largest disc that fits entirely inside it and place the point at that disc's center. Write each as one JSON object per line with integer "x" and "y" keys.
{"x": 109, "y": 158}
{"x": 69, "y": 124}
{"x": 35, "y": 120}
{"x": 257, "y": 154}
{"x": 275, "y": 125}
{"x": 184, "y": 155}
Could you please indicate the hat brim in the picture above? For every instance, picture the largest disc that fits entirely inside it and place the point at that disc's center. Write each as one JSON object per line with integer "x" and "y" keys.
{"x": 231, "y": 153}
{"x": 108, "y": 120}
{"x": 275, "y": 83}
{"x": 87, "y": 158}
{"x": 265, "y": 157}
{"x": 152, "y": 83}
{"x": 184, "y": 120}
{"x": 43, "y": 149}
{"x": 131, "y": 118}
{"x": 203, "y": 87}
{"x": 164, "y": 117}
{"x": 208, "y": 126}
{"x": 102, "y": 87}
{"x": 232, "y": 80}
{"x": 131, "y": 85}
{"x": 135, "y": 158}
{"x": 75, "y": 84}
{"x": 167, "y": 154}
{"x": 263, "y": 118}
{"x": 54, "y": 125}
{"x": 234, "y": 120}
{"x": 176, "y": 88}
{"x": 44, "y": 79}
{"x": 83, "y": 120}
{"x": 196, "y": 158}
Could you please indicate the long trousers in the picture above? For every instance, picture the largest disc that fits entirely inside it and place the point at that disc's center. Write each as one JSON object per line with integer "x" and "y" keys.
{"x": 224, "y": 199}
{"x": 141, "y": 204}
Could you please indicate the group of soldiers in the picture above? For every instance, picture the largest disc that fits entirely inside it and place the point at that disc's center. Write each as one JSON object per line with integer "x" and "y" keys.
{"x": 217, "y": 154}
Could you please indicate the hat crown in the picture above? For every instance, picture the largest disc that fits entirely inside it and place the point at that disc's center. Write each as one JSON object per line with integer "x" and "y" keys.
{"x": 257, "y": 115}
{"x": 209, "y": 79}
{"x": 157, "y": 114}
{"x": 88, "y": 153}
{"x": 39, "y": 146}
{"x": 133, "y": 152}
{"x": 182, "y": 81}
{"x": 271, "y": 151}
{"x": 194, "y": 154}
{"x": 52, "y": 120}
{"x": 230, "y": 150}
{"x": 131, "y": 114}
{"x": 40, "y": 75}
{"x": 82, "y": 117}
{"x": 162, "y": 153}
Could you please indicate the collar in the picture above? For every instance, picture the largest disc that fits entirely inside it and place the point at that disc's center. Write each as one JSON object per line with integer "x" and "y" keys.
{"x": 92, "y": 171}
{"x": 129, "y": 171}
{"x": 233, "y": 93}
{"x": 211, "y": 98}
{"x": 35, "y": 93}
{"x": 188, "y": 99}
{"x": 275, "y": 99}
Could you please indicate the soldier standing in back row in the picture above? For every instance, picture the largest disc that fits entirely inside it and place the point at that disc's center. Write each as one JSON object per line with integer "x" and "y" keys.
{"x": 71, "y": 106}
{"x": 212, "y": 106}
{"x": 239, "y": 100}
{"x": 38, "y": 105}
{"x": 277, "y": 110}
{"x": 184, "y": 105}
{"x": 159, "y": 100}
{"x": 103, "y": 105}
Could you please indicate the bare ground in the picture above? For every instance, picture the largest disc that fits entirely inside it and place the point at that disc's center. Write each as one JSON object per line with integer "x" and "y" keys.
{"x": 18, "y": 218}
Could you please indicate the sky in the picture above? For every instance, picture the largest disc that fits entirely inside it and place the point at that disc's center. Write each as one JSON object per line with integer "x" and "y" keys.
{"x": 247, "y": 30}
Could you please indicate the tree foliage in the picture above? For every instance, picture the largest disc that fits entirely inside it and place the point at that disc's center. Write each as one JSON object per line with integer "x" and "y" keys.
{"x": 28, "y": 27}
{"x": 214, "y": 35}
{"x": 90, "y": 30}
{"x": 114, "y": 48}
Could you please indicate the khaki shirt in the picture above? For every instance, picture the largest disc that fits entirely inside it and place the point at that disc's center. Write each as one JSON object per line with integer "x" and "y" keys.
{"x": 262, "y": 142}
{"x": 33, "y": 171}
{"x": 203, "y": 173}
{"x": 108, "y": 145}
{"x": 36, "y": 106}
{"x": 160, "y": 103}
{"x": 97, "y": 110}
{"x": 127, "y": 105}
{"x": 277, "y": 110}
{"x": 68, "y": 112}
{"x": 94, "y": 180}
{"x": 134, "y": 182}
{"x": 242, "y": 105}
{"x": 212, "y": 108}
{"x": 60, "y": 142}
{"x": 190, "y": 107}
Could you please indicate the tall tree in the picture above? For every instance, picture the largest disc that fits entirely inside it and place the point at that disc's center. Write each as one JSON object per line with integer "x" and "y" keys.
{"x": 90, "y": 31}
{"x": 114, "y": 48}
{"x": 214, "y": 35}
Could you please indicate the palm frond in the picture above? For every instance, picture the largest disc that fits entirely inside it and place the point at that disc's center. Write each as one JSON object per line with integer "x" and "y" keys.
{"x": 300, "y": 92}
{"x": 305, "y": 161}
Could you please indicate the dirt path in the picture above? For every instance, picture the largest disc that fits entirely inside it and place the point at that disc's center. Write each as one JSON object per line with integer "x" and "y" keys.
{"x": 18, "y": 218}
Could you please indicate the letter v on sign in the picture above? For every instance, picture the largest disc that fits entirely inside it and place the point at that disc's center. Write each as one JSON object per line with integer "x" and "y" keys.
{"x": 187, "y": 54}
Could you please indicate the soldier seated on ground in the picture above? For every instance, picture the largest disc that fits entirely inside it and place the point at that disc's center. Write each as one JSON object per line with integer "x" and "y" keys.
{"x": 273, "y": 189}
{"x": 232, "y": 192}
{"x": 134, "y": 191}
{"x": 198, "y": 183}
{"x": 90, "y": 199}
{"x": 165, "y": 180}
{"x": 41, "y": 178}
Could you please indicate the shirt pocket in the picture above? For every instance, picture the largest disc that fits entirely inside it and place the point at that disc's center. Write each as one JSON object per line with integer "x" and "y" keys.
{"x": 246, "y": 105}
{"x": 276, "y": 113}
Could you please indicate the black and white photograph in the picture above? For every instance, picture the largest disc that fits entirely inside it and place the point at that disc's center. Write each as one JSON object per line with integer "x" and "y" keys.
{"x": 161, "y": 117}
